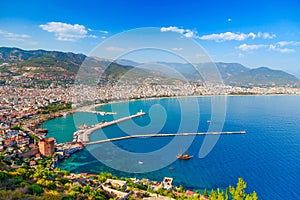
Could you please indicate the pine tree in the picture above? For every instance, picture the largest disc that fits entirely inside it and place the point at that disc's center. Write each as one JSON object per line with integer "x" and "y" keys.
{"x": 205, "y": 193}
{"x": 227, "y": 194}
{"x": 213, "y": 195}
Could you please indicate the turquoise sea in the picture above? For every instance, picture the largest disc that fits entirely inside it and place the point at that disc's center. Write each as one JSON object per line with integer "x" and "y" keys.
{"x": 267, "y": 157}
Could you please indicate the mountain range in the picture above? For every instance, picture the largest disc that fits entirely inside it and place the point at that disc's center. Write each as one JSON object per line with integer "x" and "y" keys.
{"x": 58, "y": 65}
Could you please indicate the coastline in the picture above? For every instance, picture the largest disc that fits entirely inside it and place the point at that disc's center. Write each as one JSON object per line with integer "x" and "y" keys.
{"x": 82, "y": 136}
{"x": 91, "y": 108}
{"x": 94, "y": 106}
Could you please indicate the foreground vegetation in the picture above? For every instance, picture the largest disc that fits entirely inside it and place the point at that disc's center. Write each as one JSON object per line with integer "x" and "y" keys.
{"x": 42, "y": 182}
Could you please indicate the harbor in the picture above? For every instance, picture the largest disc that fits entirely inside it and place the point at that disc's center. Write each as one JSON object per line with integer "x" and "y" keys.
{"x": 84, "y": 135}
{"x": 163, "y": 135}
{"x": 81, "y": 137}
{"x": 102, "y": 113}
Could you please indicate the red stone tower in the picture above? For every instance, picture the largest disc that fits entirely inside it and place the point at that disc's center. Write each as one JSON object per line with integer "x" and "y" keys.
{"x": 46, "y": 146}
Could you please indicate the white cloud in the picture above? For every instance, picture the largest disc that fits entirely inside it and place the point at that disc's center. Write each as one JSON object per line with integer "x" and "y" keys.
{"x": 112, "y": 48}
{"x": 103, "y": 31}
{"x": 172, "y": 28}
{"x": 228, "y": 36}
{"x": 67, "y": 32}
{"x": 288, "y": 43}
{"x": 219, "y": 37}
{"x": 185, "y": 32}
{"x": 281, "y": 50}
{"x": 249, "y": 47}
{"x": 13, "y": 36}
{"x": 177, "y": 49}
{"x": 265, "y": 35}
{"x": 100, "y": 31}
{"x": 285, "y": 50}
{"x": 271, "y": 47}
{"x": 93, "y": 36}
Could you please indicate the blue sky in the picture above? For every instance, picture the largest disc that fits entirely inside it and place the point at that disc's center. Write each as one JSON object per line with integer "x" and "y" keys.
{"x": 254, "y": 33}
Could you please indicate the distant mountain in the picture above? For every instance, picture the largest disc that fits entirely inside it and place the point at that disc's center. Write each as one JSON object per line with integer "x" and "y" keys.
{"x": 56, "y": 65}
{"x": 237, "y": 74}
{"x": 231, "y": 73}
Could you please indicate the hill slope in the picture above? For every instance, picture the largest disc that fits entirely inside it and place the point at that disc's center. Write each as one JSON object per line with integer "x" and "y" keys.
{"x": 62, "y": 67}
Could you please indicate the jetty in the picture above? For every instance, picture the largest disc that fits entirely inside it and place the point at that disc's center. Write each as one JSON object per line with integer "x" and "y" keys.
{"x": 163, "y": 135}
{"x": 91, "y": 109}
{"x": 84, "y": 135}
{"x": 100, "y": 112}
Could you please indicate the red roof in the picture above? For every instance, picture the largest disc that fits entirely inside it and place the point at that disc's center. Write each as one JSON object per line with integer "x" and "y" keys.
{"x": 189, "y": 193}
{"x": 92, "y": 175}
{"x": 32, "y": 162}
{"x": 177, "y": 193}
{"x": 9, "y": 140}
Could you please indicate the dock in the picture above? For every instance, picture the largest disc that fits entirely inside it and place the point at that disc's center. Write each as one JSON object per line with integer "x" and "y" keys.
{"x": 163, "y": 135}
{"x": 83, "y": 135}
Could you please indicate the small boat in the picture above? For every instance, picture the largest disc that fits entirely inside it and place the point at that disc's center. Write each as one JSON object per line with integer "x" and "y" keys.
{"x": 171, "y": 168}
{"x": 141, "y": 162}
{"x": 184, "y": 156}
{"x": 208, "y": 121}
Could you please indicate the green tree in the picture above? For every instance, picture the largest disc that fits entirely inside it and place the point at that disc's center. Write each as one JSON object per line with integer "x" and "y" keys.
{"x": 86, "y": 189}
{"x": 50, "y": 184}
{"x": 238, "y": 193}
{"x": 35, "y": 189}
{"x": 52, "y": 195}
{"x": 213, "y": 195}
{"x": 76, "y": 188}
{"x": 4, "y": 175}
{"x": 220, "y": 194}
{"x": 252, "y": 196}
{"x": 205, "y": 193}
{"x": 9, "y": 194}
{"x": 180, "y": 189}
{"x": 227, "y": 194}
